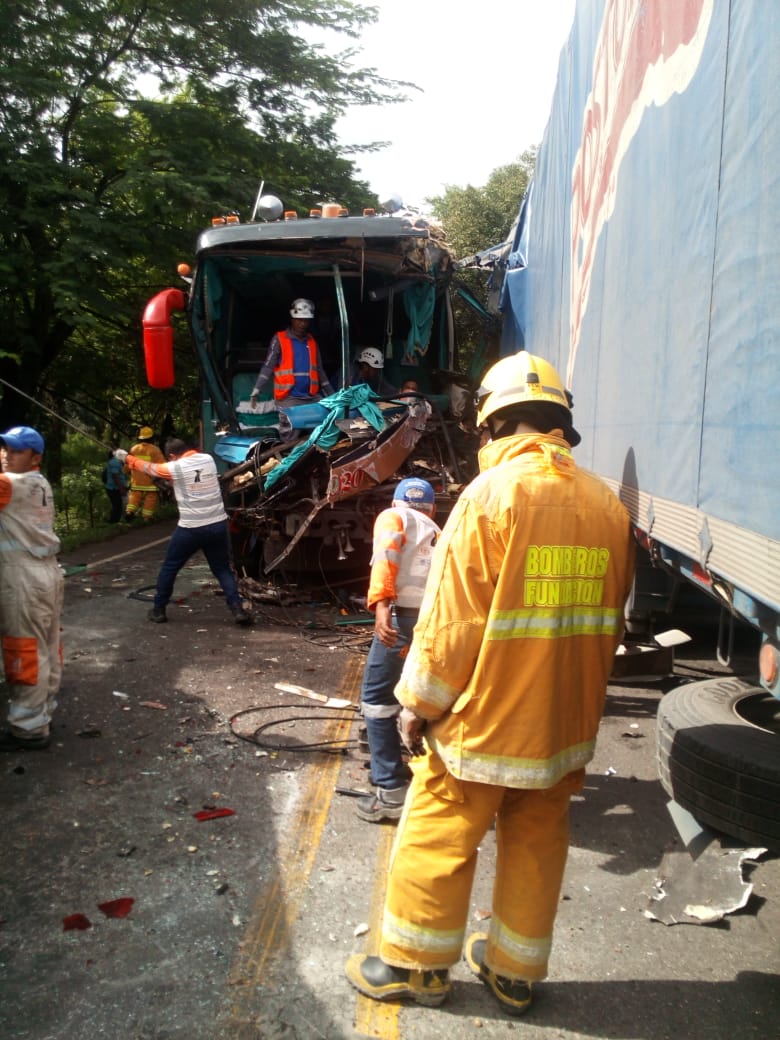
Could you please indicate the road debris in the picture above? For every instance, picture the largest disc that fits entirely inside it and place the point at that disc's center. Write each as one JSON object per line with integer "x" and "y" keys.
{"x": 117, "y": 907}
{"x": 76, "y": 922}
{"x": 702, "y": 890}
{"x": 213, "y": 814}
{"x": 321, "y": 698}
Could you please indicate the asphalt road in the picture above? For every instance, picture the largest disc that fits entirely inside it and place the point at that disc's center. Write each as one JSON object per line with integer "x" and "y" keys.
{"x": 240, "y": 923}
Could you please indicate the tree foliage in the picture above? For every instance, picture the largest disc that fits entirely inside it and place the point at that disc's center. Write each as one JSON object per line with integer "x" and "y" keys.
{"x": 476, "y": 219}
{"x": 124, "y": 126}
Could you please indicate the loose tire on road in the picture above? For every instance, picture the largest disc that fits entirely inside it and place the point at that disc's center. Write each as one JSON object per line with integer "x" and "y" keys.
{"x": 723, "y": 769}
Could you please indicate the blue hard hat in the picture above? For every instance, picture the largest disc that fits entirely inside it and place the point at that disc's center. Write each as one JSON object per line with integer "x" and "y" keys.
{"x": 414, "y": 492}
{"x": 21, "y": 437}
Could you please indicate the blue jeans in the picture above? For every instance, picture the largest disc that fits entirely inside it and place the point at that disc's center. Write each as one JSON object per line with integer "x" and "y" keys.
{"x": 184, "y": 543}
{"x": 381, "y": 709}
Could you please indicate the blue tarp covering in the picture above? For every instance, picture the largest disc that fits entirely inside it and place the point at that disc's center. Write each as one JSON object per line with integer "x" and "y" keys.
{"x": 647, "y": 260}
{"x": 320, "y": 417}
{"x": 358, "y": 398}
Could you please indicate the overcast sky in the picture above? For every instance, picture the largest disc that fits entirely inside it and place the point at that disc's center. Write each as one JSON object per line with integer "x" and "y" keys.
{"x": 488, "y": 72}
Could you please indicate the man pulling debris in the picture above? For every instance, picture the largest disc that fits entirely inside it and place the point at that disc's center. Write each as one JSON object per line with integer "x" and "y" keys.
{"x": 202, "y": 524}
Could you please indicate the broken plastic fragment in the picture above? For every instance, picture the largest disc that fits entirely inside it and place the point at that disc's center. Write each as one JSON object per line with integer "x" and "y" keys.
{"x": 117, "y": 907}
{"x": 76, "y": 922}
{"x": 213, "y": 814}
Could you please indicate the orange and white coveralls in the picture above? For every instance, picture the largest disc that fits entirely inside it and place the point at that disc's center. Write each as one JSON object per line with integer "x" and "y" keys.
{"x": 31, "y": 594}
{"x": 510, "y": 659}
{"x": 143, "y": 494}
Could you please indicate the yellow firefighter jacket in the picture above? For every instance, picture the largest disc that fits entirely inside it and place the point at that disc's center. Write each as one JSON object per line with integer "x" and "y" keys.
{"x": 146, "y": 452}
{"x": 522, "y": 614}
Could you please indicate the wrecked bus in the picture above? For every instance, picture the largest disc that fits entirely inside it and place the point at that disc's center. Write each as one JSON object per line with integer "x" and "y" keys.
{"x": 303, "y": 486}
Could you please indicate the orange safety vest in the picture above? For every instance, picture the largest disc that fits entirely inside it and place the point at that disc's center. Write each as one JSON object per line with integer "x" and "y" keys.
{"x": 284, "y": 373}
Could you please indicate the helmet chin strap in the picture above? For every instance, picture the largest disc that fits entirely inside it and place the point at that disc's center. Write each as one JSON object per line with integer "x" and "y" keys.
{"x": 507, "y": 428}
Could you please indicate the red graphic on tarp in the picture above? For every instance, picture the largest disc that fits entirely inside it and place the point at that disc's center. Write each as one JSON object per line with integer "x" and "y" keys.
{"x": 647, "y": 50}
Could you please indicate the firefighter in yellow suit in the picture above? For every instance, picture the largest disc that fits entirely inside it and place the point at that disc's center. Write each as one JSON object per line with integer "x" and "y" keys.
{"x": 506, "y": 677}
{"x": 144, "y": 495}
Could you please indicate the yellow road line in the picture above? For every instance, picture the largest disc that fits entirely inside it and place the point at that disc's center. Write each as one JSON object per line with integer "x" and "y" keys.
{"x": 276, "y": 908}
{"x": 372, "y": 1018}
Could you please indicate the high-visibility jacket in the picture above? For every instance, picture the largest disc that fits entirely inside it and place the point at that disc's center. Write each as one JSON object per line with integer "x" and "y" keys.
{"x": 522, "y": 614}
{"x": 146, "y": 452}
{"x": 285, "y": 374}
{"x": 403, "y": 543}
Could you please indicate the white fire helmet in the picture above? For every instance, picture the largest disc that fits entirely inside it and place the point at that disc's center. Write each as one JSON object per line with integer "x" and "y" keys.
{"x": 302, "y": 309}
{"x": 371, "y": 357}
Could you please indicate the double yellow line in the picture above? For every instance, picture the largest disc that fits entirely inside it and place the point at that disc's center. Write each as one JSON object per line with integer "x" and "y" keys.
{"x": 269, "y": 931}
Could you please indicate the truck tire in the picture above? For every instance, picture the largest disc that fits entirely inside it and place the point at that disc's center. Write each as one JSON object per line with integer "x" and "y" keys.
{"x": 718, "y": 748}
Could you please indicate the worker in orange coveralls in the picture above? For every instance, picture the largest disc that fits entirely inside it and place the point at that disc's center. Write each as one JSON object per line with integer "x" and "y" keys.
{"x": 506, "y": 677}
{"x": 31, "y": 592}
{"x": 144, "y": 495}
{"x": 404, "y": 536}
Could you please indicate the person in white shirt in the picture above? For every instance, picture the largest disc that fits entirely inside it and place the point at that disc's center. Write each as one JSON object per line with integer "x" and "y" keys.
{"x": 202, "y": 525}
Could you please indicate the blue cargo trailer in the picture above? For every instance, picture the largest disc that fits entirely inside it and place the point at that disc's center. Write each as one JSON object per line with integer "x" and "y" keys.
{"x": 644, "y": 263}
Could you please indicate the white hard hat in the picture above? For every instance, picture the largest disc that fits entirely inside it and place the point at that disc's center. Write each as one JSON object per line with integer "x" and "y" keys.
{"x": 302, "y": 309}
{"x": 371, "y": 357}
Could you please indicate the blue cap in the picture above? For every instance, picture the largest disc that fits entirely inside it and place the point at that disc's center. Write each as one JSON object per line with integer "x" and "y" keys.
{"x": 21, "y": 437}
{"x": 417, "y": 493}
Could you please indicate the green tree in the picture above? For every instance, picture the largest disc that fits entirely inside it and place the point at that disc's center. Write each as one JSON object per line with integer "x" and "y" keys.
{"x": 124, "y": 127}
{"x": 476, "y": 219}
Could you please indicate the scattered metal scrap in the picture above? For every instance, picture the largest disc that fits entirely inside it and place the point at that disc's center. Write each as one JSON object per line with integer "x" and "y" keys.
{"x": 701, "y": 890}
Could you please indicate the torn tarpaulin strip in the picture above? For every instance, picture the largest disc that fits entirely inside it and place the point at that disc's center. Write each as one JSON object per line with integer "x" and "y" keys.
{"x": 213, "y": 814}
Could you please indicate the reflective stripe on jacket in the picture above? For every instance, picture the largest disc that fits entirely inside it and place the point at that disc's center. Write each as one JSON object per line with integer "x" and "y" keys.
{"x": 145, "y": 452}
{"x": 403, "y": 543}
{"x": 285, "y": 376}
{"x": 521, "y": 617}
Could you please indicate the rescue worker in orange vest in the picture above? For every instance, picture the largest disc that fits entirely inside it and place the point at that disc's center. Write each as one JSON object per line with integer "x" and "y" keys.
{"x": 293, "y": 360}
{"x": 506, "y": 678}
{"x": 31, "y": 592}
{"x": 404, "y": 536}
{"x": 144, "y": 495}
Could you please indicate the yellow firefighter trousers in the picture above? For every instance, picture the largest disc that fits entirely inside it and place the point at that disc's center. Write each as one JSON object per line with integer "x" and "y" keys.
{"x": 433, "y": 864}
{"x": 144, "y": 500}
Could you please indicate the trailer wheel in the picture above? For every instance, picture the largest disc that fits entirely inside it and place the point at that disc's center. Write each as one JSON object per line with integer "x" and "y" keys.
{"x": 718, "y": 752}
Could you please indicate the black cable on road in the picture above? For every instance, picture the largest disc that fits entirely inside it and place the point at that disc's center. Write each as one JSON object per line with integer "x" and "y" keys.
{"x": 330, "y": 747}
